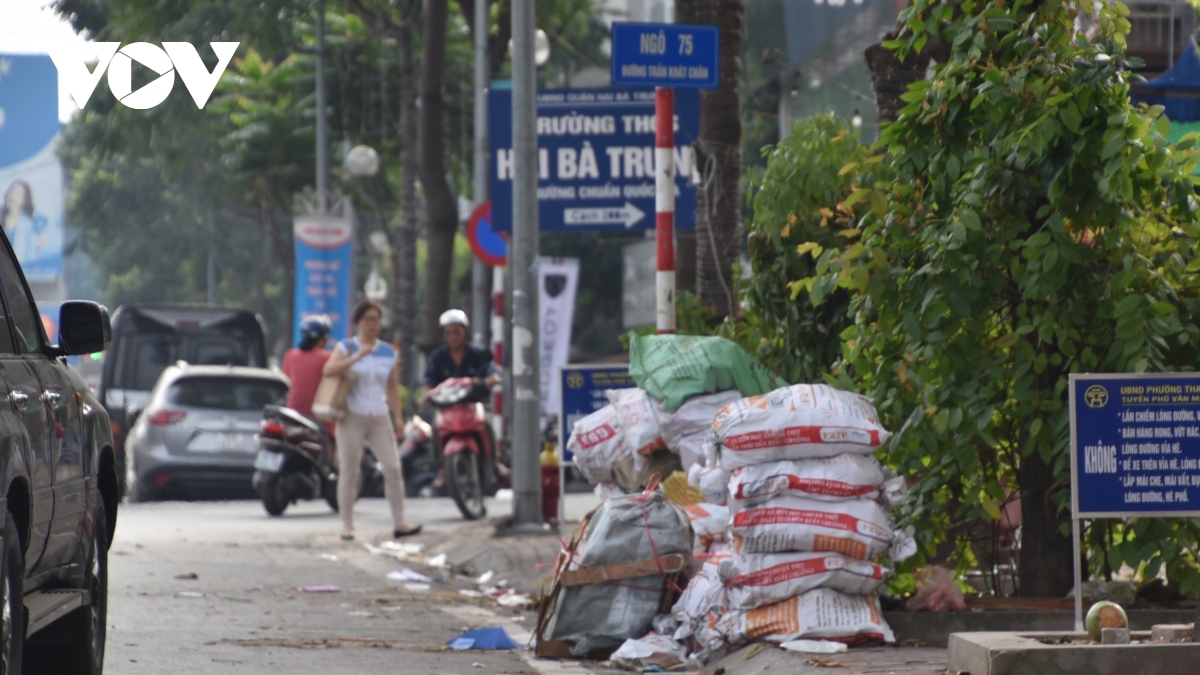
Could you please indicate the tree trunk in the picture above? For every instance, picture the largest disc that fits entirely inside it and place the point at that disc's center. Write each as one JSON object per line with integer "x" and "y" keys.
{"x": 1045, "y": 568}
{"x": 404, "y": 239}
{"x": 719, "y": 160}
{"x": 441, "y": 209}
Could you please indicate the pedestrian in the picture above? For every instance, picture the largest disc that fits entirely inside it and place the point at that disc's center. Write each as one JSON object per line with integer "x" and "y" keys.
{"x": 376, "y": 367}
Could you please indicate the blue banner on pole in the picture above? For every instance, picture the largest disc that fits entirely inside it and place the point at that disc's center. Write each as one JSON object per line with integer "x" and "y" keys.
{"x": 583, "y": 394}
{"x": 1135, "y": 445}
{"x": 665, "y": 55}
{"x": 595, "y": 159}
{"x": 323, "y": 260}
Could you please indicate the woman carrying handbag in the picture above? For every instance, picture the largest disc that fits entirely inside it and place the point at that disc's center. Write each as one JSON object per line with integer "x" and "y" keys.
{"x": 376, "y": 369}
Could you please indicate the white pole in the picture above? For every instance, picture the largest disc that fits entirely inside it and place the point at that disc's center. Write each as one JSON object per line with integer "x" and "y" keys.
{"x": 479, "y": 296}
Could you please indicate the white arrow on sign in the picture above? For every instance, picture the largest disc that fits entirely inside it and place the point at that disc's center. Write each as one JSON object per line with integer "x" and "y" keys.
{"x": 628, "y": 215}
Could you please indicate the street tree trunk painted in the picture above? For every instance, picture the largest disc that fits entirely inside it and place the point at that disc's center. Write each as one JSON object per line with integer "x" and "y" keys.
{"x": 440, "y": 206}
{"x": 719, "y": 160}
{"x": 404, "y": 238}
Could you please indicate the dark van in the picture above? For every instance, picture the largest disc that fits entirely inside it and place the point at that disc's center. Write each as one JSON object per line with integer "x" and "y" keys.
{"x": 148, "y": 338}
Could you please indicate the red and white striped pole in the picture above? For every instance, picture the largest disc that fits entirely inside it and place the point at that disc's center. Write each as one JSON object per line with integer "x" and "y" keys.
{"x": 664, "y": 201}
{"x": 498, "y": 348}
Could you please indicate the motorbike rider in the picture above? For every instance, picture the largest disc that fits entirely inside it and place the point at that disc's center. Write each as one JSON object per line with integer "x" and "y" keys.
{"x": 458, "y": 358}
{"x": 304, "y": 363}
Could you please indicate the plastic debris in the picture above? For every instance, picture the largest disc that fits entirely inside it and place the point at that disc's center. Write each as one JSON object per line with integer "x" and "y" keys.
{"x": 330, "y": 557}
{"x": 437, "y": 562}
{"x": 514, "y": 600}
{"x": 327, "y": 588}
{"x": 504, "y": 495}
{"x": 468, "y": 593}
{"x": 485, "y": 577}
{"x": 417, "y": 588}
{"x": 406, "y": 574}
{"x": 194, "y": 595}
{"x": 814, "y": 647}
{"x": 492, "y": 637}
{"x": 652, "y": 650}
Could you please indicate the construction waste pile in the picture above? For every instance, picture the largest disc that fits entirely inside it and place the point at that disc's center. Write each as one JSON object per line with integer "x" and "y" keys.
{"x": 770, "y": 523}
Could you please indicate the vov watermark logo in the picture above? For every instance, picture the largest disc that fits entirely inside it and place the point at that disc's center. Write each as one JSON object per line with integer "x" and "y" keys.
{"x": 171, "y": 58}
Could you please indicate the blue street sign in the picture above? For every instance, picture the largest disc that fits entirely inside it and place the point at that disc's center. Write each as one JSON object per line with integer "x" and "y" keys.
{"x": 665, "y": 55}
{"x": 583, "y": 394}
{"x": 324, "y": 252}
{"x": 595, "y": 159}
{"x": 1135, "y": 445}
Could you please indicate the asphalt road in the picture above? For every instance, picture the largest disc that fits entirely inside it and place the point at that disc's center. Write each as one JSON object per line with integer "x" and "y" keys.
{"x": 216, "y": 587}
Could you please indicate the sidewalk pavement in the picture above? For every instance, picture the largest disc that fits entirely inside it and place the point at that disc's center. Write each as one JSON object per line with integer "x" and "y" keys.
{"x": 526, "y": 563}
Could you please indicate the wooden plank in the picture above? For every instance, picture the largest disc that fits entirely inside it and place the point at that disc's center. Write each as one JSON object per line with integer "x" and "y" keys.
{"x": 618, "y": 571}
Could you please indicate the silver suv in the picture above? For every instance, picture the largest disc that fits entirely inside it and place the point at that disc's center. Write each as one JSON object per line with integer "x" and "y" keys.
{"x": 195, "y": 438}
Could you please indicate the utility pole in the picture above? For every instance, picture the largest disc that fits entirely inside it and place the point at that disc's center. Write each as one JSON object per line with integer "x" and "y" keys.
{"x": 480, "y": 310}
{"x": 322, "y": 122}
{"x": 526, "y": 400}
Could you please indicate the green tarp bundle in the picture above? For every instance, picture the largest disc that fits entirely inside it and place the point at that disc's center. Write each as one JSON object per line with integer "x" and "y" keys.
{"x": 673, "y": 368}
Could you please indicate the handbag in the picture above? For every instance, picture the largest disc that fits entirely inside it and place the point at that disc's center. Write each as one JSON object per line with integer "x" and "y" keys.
{"x": 329, "y": 404}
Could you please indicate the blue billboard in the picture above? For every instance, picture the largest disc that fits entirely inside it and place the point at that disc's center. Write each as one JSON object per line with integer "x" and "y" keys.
{"x": 322, "y": 278}
{"x": 595, "y": 159}
{"x": 31, "y": 190}
{"x": 1135, "y": 445}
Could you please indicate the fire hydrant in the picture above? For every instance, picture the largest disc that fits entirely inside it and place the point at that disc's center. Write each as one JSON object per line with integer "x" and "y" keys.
{"x": 550, "y": 484}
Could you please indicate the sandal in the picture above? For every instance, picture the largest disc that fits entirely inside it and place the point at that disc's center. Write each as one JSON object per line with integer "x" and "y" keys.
{"x": 415, "y": 529}
{"x": 348, "y": 535}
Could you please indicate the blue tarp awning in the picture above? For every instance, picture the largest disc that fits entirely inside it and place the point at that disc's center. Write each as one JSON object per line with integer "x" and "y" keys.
{"x": 1177, "y": 90}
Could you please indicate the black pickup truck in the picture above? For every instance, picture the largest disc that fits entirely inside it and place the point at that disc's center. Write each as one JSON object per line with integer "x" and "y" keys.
{"x": 60, "y": 487}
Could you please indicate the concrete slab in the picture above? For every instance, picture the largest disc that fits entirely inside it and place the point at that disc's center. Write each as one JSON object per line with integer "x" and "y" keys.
{"x": 1056, "y": 653}
{"x": 934, "y": 628}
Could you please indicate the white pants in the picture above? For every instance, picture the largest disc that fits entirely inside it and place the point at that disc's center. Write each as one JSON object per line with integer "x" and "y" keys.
{"x": 375, "y": 431}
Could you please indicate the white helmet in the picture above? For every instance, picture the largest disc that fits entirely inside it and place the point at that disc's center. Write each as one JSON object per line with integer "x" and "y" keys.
{"x": 454, "y": 316}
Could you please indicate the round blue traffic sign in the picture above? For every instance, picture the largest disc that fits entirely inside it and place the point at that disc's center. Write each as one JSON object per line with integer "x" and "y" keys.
{"x": 489, "y": 246}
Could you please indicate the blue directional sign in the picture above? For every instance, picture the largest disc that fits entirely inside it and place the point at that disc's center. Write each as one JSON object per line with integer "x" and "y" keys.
{"x": 583, "y": 394}
{"x": 665, "y": 55}
{"x": 595, "y": 159}
{"x": 1135, "y": 445}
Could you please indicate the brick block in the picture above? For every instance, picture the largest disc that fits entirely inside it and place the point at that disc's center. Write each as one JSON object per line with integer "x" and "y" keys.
{"x": 1114, "y": 636}
{"x": 1171, "y": 632}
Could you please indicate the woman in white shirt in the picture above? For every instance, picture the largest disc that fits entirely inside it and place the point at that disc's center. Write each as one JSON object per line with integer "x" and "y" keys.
{"x": 376, "y": 367}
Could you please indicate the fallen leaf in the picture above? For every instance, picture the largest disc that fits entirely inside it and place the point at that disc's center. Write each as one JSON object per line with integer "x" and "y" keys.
{"x": 825, "y": 663}
{"x": 753, "y": 652}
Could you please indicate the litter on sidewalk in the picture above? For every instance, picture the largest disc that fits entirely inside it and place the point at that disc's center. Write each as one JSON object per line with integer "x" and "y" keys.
{"x": 406, "y": 574}
{"x": 329, "y": 588}
{"x": 483, "y": 638}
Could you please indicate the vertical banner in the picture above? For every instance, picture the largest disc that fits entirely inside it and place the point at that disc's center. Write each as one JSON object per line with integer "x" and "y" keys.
{"x": 558, "y": 281}
{"x": 323, "y": 258}
{"x": 31, "y": 179}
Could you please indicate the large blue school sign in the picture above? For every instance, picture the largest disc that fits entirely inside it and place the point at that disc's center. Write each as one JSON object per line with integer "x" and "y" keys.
{"x": 1135, "y": 445}
{"x": 665, "y": 55}
{"x": 595, "y": 159}
{"x": 583, "y": 394}
{"x": 323, "y": 259}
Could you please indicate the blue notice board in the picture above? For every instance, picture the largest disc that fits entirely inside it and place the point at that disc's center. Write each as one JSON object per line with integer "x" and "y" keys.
{"x": 665, "y": 55}
{"x": 1135, "y": 445}
{"x": 595, "y": 159}
{"x": 583, "y": 394}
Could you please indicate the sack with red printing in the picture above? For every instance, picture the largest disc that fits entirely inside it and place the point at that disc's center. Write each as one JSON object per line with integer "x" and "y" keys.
{"x": 858, "y": 528}
{"x": 804, "y": 421}
{"x": 709, "y": 523}
{"x": 701, "y": 606}
{"x": 821, "y": 614}
{"x": 761, "y": 579}
{"x": 597, "y": 443}
{"x": 685, "y": 430}
{"x": 635, "y": 412}
{"x": 836, "y": 478}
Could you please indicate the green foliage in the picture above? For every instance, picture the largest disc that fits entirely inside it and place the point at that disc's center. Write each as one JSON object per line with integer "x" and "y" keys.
{"x": 1032, "y": 224}
{"x": 804, "y": 203}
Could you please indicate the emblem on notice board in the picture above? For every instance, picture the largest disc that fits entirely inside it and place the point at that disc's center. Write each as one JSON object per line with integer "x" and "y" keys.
{"x": 1096, "y": 396}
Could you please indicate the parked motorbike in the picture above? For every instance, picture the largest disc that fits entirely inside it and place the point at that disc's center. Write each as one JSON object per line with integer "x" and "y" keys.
{"x": 295, "y": 461}
{"x": 466, "y": 443}
{"x": 418, "y": 457}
